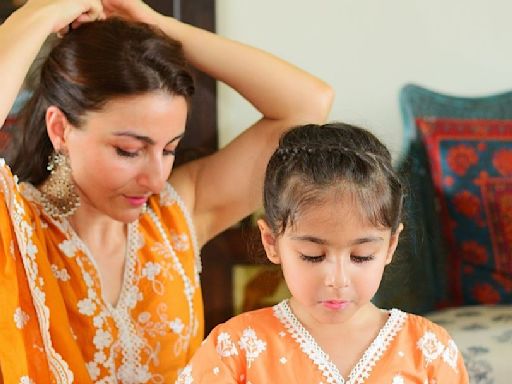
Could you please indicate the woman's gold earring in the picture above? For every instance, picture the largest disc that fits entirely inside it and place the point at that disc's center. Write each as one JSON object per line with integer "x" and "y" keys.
{"x": 59, "y": 191}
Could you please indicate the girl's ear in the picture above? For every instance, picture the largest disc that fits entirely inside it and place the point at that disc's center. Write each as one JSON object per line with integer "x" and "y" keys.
{"x": 268, "y": 239}
{"x": 58, "y": 128}
{"x": 393, "y": 243}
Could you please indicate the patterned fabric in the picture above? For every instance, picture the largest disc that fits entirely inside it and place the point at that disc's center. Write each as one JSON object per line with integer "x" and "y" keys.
{"x": 484, "y": 336}
{"x": 271, "y": 345}
{"x": 55, "y": 325}
{"x": 471, "y": 168}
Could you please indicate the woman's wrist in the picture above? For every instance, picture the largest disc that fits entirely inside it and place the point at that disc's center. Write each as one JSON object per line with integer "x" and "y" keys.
{"x": 34, "y": 20}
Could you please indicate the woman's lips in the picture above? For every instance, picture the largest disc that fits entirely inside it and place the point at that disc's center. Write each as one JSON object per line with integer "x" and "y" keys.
{"x": 136, "y": 201}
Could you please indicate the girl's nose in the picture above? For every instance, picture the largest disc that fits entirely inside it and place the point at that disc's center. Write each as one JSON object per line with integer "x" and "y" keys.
{"x": 337, "y": 276}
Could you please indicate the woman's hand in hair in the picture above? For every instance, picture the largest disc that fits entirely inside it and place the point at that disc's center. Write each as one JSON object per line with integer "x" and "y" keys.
{"x": 24, "y": 32}
{"x": 133, "y": 10}
{"x": 63, "y": 13}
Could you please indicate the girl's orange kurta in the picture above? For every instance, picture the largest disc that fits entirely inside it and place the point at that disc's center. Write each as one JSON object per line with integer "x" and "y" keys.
{"x": 271, "y": 346}
{"x": 55, "y": 325}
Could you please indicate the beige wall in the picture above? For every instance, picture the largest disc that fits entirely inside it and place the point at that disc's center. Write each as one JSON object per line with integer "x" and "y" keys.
{"x": 367, "y": 49}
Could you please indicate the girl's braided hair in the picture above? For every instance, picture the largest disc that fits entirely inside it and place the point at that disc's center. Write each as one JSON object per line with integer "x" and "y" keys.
{"x": 312, "y": 160}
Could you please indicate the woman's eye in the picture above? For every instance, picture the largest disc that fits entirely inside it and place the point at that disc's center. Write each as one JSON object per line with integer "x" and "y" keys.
{"x": 361, "y": 259}
{"x": 169, "y": 152}
{"x": 122, "y": 152}
{"x": 312, "y": 259}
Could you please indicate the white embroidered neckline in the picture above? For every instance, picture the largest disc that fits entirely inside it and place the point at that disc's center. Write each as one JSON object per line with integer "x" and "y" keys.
{"x": 129, "y": 341}
{"x": 361, "y": 371}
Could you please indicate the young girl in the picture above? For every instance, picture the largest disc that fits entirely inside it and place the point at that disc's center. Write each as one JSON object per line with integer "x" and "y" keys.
{"x": 333, "y": 205}
{"x": 99, "y": 240}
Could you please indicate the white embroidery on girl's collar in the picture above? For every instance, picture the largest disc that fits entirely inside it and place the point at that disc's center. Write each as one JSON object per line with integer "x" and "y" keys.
{"x": 309, "y": 346}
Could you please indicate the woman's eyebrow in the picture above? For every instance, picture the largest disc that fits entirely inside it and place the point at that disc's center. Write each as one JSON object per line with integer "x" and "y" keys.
{"x": 146, "y": 139}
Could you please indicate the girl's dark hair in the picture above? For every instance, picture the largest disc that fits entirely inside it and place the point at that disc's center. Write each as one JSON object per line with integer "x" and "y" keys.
{"x": 90, "y": 66}
{"x": 312, "y": 160}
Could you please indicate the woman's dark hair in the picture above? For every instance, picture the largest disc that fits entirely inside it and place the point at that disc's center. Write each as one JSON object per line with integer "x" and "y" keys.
{"x": 90, "y": 66}
{"x": 312, "y": 161}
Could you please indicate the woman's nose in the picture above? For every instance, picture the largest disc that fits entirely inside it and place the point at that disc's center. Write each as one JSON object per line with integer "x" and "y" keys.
{"x": 154, "y": 176}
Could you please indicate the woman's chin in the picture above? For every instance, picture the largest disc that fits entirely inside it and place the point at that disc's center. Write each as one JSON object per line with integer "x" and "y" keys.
{"x": 126, "y": 216}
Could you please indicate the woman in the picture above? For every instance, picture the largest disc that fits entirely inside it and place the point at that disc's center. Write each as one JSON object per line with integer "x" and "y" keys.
{"x": 99, "y": 276}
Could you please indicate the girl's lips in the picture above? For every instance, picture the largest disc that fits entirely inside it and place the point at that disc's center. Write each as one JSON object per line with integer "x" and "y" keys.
{"x": 335, "y": 304}
{"x": 136, "y": 201}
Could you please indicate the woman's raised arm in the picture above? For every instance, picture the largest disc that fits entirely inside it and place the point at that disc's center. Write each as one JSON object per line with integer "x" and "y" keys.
{"x": 23, "y": 33}
{"x": 223, "y": 188}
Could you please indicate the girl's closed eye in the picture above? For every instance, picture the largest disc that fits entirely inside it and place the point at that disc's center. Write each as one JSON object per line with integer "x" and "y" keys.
{"x": 361, "y": 259}
{"x": 312, "y": 259}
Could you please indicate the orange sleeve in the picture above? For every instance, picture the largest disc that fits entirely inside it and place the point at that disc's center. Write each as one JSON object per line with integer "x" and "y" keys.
{"x": 449, "y": 368}
{"x": 214, "y": 363}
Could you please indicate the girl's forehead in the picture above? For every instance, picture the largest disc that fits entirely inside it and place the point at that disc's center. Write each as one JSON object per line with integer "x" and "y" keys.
{"x": 332, "y": 212}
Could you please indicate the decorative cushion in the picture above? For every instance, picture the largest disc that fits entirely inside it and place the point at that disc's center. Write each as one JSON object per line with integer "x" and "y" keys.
{"x": 471, "y": 168}
{"x": 483, "y": 334}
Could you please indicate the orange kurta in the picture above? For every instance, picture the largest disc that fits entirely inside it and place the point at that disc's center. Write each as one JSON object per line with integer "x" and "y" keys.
{"x": 55, "y": 325}
{"x": 271, "y": 346}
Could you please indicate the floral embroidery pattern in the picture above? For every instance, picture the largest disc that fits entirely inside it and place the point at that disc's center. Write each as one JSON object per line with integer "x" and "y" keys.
{"x": 168, "y": 197}
{"x": 185, "y": 376}
{"x": 24, "y": 232}
{"x": 309, "y": 346}
{"x": 502, "y": 161}
{"x": 252, "y": 346}
{"x": 20, "y": 318}
{"x": 119, "y": 348}
{"x": 485, "y": 293}
{"x": 476, "y": 156}
{"x": 60, "y": 274}
{"x": 432, "y": 348}
{"x": 467, "y": 204}
{"x": 474, "y": 252}
{"x": 26, "y": 380}
{"x": 225, "y": 346}
{"x": 460, "y": 158}
{"x": 451, "y": 354}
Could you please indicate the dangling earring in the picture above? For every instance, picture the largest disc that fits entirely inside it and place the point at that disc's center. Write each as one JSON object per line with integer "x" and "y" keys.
{"x": 59, "y": 190}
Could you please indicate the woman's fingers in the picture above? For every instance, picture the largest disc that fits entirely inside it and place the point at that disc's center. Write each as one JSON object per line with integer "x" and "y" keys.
{"x": 92, "y": 10}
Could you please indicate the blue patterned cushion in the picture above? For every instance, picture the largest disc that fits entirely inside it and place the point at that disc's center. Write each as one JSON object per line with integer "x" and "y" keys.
{"x": 471, "y": 168}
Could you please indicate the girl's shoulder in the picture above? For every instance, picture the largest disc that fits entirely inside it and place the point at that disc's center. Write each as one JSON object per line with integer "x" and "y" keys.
{"x": 420, "y": 325}
{"x": 261, "y": 324}
{"x": 258, "y": 321}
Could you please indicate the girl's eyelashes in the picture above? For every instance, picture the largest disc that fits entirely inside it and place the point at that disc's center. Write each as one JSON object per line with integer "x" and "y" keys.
{"x": 355, "y": 259}
{"x": 169, "y": 152}
{"x": 312, "y": 259}
{"x": 361, "y": 259}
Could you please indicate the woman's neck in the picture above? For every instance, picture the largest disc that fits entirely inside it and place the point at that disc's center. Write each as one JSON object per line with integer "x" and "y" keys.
{"x": 95, "y": 227}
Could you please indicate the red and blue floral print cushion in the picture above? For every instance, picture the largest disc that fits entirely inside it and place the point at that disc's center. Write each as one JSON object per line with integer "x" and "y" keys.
{"x": 471, "y": 168}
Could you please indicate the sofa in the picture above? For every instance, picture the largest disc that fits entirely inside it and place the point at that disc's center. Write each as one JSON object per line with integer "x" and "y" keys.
{"x": 454, "y": 262}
